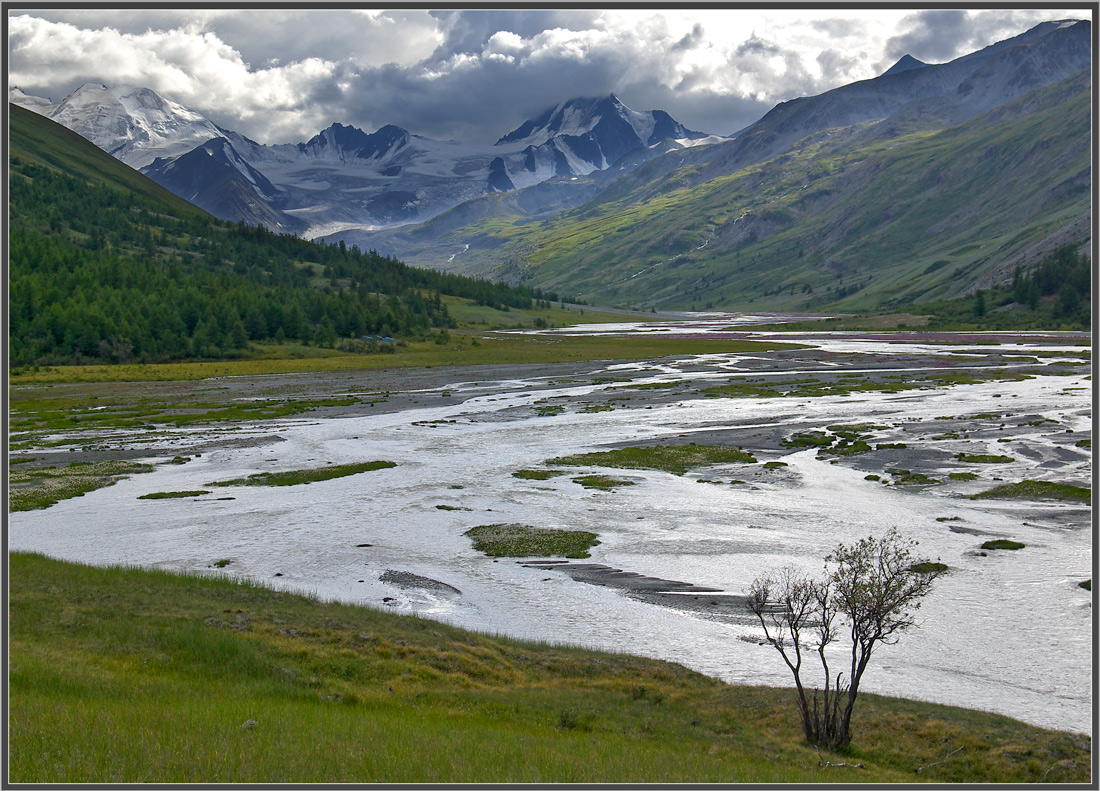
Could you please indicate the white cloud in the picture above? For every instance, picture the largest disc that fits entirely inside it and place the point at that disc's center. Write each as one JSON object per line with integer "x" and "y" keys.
{"x": 279, "y": 75}
{"x": 189, "y": 65}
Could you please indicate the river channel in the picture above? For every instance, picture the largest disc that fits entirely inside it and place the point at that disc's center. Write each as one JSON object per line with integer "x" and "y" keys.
{"x": 1003, "y": 631}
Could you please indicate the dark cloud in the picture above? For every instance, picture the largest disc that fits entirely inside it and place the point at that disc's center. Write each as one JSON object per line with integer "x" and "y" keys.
{"x": 467, "y": 31}
{"x": 482, "y": 100}
{"x": 836, "y": 65}
{"x": 932, "y": 36}
{"x": 690, "y": 40}
{"x": 754, "y": 45}
{"x": 702, "y": 110}
{"x": 282, "y": 74}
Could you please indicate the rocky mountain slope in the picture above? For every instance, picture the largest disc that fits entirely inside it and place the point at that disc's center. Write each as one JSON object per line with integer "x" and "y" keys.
{"x": 925, "y": 182}
{"x": 344, "y": 178}
{"x": 108, "y": 266}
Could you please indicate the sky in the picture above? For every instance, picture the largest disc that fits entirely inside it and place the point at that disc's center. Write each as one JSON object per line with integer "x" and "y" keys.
{"x": 280, "y": 75}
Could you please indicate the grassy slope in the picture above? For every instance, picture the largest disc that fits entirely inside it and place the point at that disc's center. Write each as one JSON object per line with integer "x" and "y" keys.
{"x": 34, "y": 138}
{"x": 120, "y": 675}
{"x": 844, "y": 208}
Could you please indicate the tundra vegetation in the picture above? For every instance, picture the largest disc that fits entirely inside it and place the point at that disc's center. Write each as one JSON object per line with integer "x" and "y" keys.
{"x": 518, "y": 541}
{"x": 1003, "y": 543}
{"x": 604, "y": 482}
{"x": 121, "y": 675}
{"x": 1036, "y": 490}
{"x": 872, "y": 590}
{"x": 536, "y": 475}
{"x": 676, "y": 459}
{"x": 294, "y": 477}
{"x": 173, "y": 495}
{"x": 41, "y": 487}
{"x": 983, "y": 458}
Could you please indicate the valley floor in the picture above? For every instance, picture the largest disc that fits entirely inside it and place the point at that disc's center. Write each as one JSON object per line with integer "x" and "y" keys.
{"x": 941, "y": 418}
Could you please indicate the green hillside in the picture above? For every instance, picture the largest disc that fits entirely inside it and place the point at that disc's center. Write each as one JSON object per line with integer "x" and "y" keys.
{"x": 36, "y": 140}
{"x": 106, "y": 266}
{"x": 846, "y": 220}
{"x": 128, "y": 676}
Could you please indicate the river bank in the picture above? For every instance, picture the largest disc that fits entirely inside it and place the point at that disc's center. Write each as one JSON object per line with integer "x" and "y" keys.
{"x": 457, "y": 435}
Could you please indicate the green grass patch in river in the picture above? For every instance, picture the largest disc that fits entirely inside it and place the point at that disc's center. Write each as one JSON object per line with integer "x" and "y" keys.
{"x": 983, "y": 458}
{"x": 1037, "y": 490}
{"x": 536, "y": 475}
{"x": 293, "y": 477}
{"x": 521, "y": 541}
{"x": 172, "y": 495}
{"x": 676, "y": 459}
{"x": 604, "y": 482}
{"x": 1003, "y": 543}
{"x": 37, "y": 488}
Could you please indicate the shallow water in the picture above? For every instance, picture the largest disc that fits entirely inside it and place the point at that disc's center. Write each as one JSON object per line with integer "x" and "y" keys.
{"x": 1009, "y": 632}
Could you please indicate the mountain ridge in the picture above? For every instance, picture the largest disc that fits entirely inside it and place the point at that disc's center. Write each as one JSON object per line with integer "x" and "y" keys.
{"x": 850, "y": 219}
{"x": 344, "y": 177}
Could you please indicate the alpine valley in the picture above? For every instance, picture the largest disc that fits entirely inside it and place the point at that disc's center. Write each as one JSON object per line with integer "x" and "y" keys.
{"x": 927, "y": 182}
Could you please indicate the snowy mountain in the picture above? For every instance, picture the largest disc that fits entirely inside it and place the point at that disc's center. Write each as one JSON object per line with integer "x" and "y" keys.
{"x": 604, "y": 122}
{"x": 215, "y": 178}
{"x": 38, "y": 104}
{"x": 343, "y": 177}
{"x": 135, "y": 125}
{"x": 570, "y": 230}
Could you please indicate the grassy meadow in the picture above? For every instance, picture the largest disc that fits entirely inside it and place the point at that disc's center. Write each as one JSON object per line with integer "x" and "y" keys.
{"x": 123, "y": 675}
{"x": 469, "y": 345}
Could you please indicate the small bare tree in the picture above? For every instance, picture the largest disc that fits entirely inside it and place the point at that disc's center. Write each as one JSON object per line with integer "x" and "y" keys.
{"x": 875, "y": 587}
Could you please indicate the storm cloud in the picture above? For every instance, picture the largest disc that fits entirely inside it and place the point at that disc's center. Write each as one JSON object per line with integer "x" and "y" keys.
{"x": 280, "y": 75}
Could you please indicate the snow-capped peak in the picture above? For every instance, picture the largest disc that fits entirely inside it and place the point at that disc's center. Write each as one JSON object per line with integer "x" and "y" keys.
{"x": 596, "y": 117}
{"x": 135, "y": 125}
{"x": 574, "y": 118}
{"x": 39, "y": 104}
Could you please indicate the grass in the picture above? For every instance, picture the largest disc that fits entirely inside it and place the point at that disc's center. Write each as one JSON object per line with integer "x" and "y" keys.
{"x": 492, "y": 348}
{"x": 549, "y": 410}
{"x": 812, "y": 388}
{"x": 536, "y": 475}
{"x": 808, "y": 439}
{"x": 962, "y": 476}
{"x": 603, "y": 482}
{"x": 928, "y": 567}
{"x": 126, "y": 676}
{"x": 1037, "y": 490}
{"x": 172, "y": 495}
{"x": 41, "y": 487}
{"x": 1003, "y": 543}
{"x": 913, "y": 479}
{"x": 845, "y": 448}
{"x": 676, "y": 459}
{"x": 294, "y": 477}
{"x": 519, "y": 541}
{"x": 983, "y": 458}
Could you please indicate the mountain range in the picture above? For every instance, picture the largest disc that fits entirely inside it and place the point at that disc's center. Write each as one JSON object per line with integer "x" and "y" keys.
{"x": 345, "y": 178}
{"x": 107, "y": 266}
{"x": 927, "y": 181}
